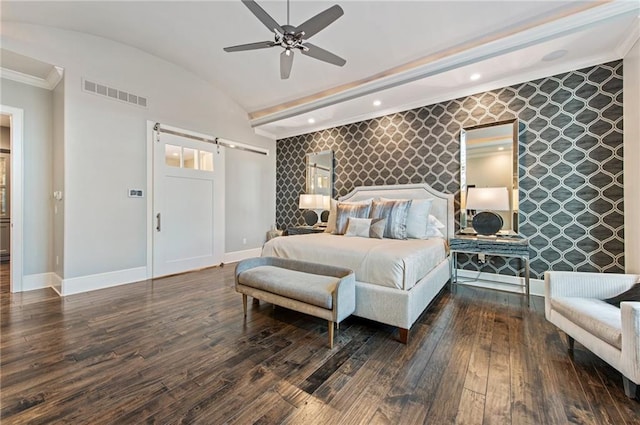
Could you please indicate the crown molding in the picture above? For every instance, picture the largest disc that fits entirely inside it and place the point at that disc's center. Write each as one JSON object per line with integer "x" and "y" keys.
{"x": 484, "y": 48}
{"x": 632, "y": 36}
{"x": 48, "y": 83}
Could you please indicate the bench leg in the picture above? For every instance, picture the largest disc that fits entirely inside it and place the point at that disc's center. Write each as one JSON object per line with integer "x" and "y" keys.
{"x": 330, "y": 334}
{"x": 570, "y": 343}
{"x": 630, "y": 388}
{"x": 244, "y": 304}
{"x": 404, "y": 335}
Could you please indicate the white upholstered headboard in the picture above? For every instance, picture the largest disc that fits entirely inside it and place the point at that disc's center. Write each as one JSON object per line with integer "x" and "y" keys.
{"x": 441, "y": 208}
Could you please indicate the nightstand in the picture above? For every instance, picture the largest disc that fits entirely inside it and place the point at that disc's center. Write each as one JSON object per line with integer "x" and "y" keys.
{"x": 511, "y": 246}
{"x": 304, "y": 230}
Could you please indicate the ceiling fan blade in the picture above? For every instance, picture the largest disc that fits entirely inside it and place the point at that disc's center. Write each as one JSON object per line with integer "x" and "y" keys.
{"x": 263, "y": 16}
{"x": 321, "y": 54}
{"x": 314, "y": 25}
{"x": 250, "y": 46}
{"x": 286, "y": 62}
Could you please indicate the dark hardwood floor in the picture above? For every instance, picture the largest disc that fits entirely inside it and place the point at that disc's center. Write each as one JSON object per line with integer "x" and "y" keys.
{"x": 176, "y": 350}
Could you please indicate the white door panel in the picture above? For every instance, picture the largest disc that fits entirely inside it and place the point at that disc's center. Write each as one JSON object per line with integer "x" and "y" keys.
{"x": 188, "y": 204}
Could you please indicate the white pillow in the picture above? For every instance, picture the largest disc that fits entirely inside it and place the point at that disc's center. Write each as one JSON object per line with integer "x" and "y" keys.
{"x": 358, "y": 227}
{"x": 417, "y": 218}
{"x": 433, "y": 228}
{"x": 333, "y": 213}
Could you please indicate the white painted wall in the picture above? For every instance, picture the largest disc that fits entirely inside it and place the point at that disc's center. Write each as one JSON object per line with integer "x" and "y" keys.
{"x": 253, "y": 202}
{"x": 37, "y": 104}
{"x": 105, "y": 145}
{"x": 631, "y": 102}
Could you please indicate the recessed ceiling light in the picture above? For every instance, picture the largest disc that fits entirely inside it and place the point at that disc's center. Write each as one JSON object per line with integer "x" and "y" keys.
{"x": 501, "y": 148}
{"x": 556, "y": 54}
{"x": 475, "y": 77}
{"x": 311, "y": 120}
{"x": 377, "y": 103}
{"x": 175, "y": 154}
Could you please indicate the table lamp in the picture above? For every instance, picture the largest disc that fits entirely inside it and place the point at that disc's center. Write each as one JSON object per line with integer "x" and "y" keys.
{"x": 486, "y": 200}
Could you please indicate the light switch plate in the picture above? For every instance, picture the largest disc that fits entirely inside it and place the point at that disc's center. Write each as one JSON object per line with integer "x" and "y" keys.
{"x": 136, "y": 193}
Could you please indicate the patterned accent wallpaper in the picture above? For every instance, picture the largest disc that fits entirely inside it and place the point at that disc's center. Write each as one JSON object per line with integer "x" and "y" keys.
{"x": 570, "y": 163}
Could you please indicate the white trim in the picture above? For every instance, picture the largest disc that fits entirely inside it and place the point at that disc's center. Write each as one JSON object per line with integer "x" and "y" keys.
{"x": 32, "y": 282}
{"x": 149, "y": 215}
{"x": 500, "y": 282}
{"x": 235, "y": 256}
{"x": 264, "y": 133}
{"x": 48, "y": 83}
{"x": 93, "y": 282}
{"x": 17, "y": 207}
{"x": 627, "y": 43}
{"x": 56, "y": 283}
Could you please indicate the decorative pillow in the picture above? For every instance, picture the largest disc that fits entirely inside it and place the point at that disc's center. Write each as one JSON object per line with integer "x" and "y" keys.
{"x": 631, "y": 294}
{"x": 376, "y": 230}
{"x": 345, "y": 211}
{"x": 396, "y": 214}
{"x": 418, "y": 217}
{"x": 331, "y": 221}
{"x": 358, "y": 227}
{"x": 433, "y": 228}
{"x": 366, "y": 227}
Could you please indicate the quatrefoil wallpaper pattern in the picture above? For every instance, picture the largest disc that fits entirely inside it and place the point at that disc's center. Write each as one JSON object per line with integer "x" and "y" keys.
{"x": 570, "y": 163}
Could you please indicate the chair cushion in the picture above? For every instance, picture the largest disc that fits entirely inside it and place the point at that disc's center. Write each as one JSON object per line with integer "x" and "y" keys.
{"x": 595, "y": 316}
{"x": 306, "y": 287}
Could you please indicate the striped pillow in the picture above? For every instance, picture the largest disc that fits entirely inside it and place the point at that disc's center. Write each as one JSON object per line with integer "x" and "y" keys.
{"x": 396, "y": 214}
{"x": 344, "y": 211}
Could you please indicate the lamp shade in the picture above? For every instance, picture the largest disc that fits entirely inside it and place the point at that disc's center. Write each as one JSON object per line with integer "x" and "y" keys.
{"x": 310, "y": 202}
{"x": 326, "y": 202}
{"x": 488, "y": 199}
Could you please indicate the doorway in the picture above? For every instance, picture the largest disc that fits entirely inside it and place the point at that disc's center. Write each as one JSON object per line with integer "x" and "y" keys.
{"x": 11, "y": 123}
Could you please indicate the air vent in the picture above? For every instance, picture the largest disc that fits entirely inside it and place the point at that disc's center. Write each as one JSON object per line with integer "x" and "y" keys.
{"x": 113, "y": 93}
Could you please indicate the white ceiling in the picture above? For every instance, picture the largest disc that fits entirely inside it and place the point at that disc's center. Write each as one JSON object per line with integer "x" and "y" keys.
{"x": 404, "y": 53}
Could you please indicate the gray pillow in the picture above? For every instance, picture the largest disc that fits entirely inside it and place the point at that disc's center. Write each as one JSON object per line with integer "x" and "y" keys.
{"x": 631, "y": 294}
{"x": 344, "y": 211}
{"x": 396, "y": 214}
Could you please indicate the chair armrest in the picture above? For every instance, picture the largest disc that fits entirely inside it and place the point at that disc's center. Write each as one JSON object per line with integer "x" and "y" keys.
{"x": 631, "y": 340}
{"x": 587, "y": 285}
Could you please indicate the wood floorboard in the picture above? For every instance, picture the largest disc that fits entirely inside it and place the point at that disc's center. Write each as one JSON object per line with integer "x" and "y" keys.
{"x": 178, "y": 350}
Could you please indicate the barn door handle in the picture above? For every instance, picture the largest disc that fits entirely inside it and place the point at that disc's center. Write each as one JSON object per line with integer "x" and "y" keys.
{"x": 158, "y": 222}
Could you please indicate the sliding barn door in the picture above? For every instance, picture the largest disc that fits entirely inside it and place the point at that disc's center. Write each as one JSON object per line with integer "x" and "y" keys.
{"x": 188, "y": 204}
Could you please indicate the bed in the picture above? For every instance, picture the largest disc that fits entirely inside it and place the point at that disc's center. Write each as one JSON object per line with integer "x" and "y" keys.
{"x": 395, "y": 279}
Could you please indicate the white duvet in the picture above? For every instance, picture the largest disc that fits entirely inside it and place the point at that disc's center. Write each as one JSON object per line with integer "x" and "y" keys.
{"x": 386, "y": 262}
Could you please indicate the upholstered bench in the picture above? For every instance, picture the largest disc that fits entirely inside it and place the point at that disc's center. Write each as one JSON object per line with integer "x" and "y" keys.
{"x": 319, "y": 290}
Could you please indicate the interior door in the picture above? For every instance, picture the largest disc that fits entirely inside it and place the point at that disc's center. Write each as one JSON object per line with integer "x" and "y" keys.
{"x": 188, "y": 197}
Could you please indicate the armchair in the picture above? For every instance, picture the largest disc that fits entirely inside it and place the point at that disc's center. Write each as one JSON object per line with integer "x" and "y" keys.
{"x": 574, "y": 303}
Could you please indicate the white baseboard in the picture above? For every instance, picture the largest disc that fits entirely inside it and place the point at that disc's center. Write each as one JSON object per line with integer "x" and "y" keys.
{"x": 36, "y": 281}
{"x": 92, "y": 282}
{"x": 500, "y": 282}
{"x": 234, "y": 257}
{"x": 56, "y": 283}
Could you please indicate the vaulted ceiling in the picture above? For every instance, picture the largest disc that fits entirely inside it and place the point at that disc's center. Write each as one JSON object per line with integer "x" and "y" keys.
{"x": 401, "y": 53}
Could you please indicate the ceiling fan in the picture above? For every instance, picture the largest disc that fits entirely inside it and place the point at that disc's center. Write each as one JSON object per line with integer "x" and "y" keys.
{"x": 293, "y": 38}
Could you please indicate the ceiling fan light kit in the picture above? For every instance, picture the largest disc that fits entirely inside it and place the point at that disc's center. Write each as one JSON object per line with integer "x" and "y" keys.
{"x": 293, "y": 38}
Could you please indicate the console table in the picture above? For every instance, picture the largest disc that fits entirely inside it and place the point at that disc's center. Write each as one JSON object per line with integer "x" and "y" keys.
{"x": 512, "y": 246}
